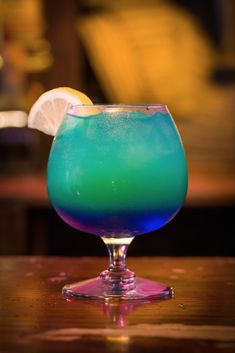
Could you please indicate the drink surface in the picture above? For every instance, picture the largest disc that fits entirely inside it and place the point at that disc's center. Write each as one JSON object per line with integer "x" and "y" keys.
{"x": 117, "y": 174}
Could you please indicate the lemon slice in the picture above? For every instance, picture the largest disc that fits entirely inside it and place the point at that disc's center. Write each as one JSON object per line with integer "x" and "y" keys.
{"x": 48, "y": 111}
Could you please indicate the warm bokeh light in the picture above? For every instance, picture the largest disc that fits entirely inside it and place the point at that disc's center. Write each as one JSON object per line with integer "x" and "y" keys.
{"x": 160, "y": 53}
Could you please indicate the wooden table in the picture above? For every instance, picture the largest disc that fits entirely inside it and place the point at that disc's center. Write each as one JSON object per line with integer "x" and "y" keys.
{"x": 35, "y": 318}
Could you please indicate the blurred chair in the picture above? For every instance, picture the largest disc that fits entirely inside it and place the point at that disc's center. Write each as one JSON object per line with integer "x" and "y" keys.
{"x": 158, "y": 53}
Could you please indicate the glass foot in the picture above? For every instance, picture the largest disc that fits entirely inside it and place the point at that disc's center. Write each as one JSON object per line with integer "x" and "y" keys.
{"x": 95, "y": 288}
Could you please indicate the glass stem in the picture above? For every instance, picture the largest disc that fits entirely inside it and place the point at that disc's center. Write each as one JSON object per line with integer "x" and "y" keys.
{"x": 117, "y": 277}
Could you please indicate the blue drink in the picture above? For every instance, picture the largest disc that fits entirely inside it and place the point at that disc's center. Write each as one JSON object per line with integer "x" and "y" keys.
{"x": 117, "y": 172}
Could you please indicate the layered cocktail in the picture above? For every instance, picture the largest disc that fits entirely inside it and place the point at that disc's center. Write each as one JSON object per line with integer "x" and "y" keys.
{"x": 117, "y": 171}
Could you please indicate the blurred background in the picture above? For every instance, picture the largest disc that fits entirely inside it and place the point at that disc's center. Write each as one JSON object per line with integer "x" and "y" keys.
{"x": 178, "y": 52}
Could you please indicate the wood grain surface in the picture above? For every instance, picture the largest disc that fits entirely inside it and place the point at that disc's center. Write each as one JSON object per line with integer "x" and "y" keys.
{"x": 35, "y": 318}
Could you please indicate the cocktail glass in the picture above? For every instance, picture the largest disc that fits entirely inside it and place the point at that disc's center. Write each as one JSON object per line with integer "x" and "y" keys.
{"x": 117, "y": 171}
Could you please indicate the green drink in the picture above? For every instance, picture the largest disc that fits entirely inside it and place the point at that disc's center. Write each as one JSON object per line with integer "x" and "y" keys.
{"x": 117, "y": 171}
{"x": 117, "y": 174}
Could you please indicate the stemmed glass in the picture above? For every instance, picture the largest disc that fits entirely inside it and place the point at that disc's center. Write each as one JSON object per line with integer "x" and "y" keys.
{"x": 117, "y": 171}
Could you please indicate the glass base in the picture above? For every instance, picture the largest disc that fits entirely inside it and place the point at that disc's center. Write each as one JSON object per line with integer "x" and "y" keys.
{"x": 95, "y": 288}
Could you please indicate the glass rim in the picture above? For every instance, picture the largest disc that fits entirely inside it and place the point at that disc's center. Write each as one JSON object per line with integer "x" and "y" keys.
{"x": 74, "y": 109}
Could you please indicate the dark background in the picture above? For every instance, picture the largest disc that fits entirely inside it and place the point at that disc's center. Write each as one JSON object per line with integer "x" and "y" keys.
{"x": 202, "y": 229}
